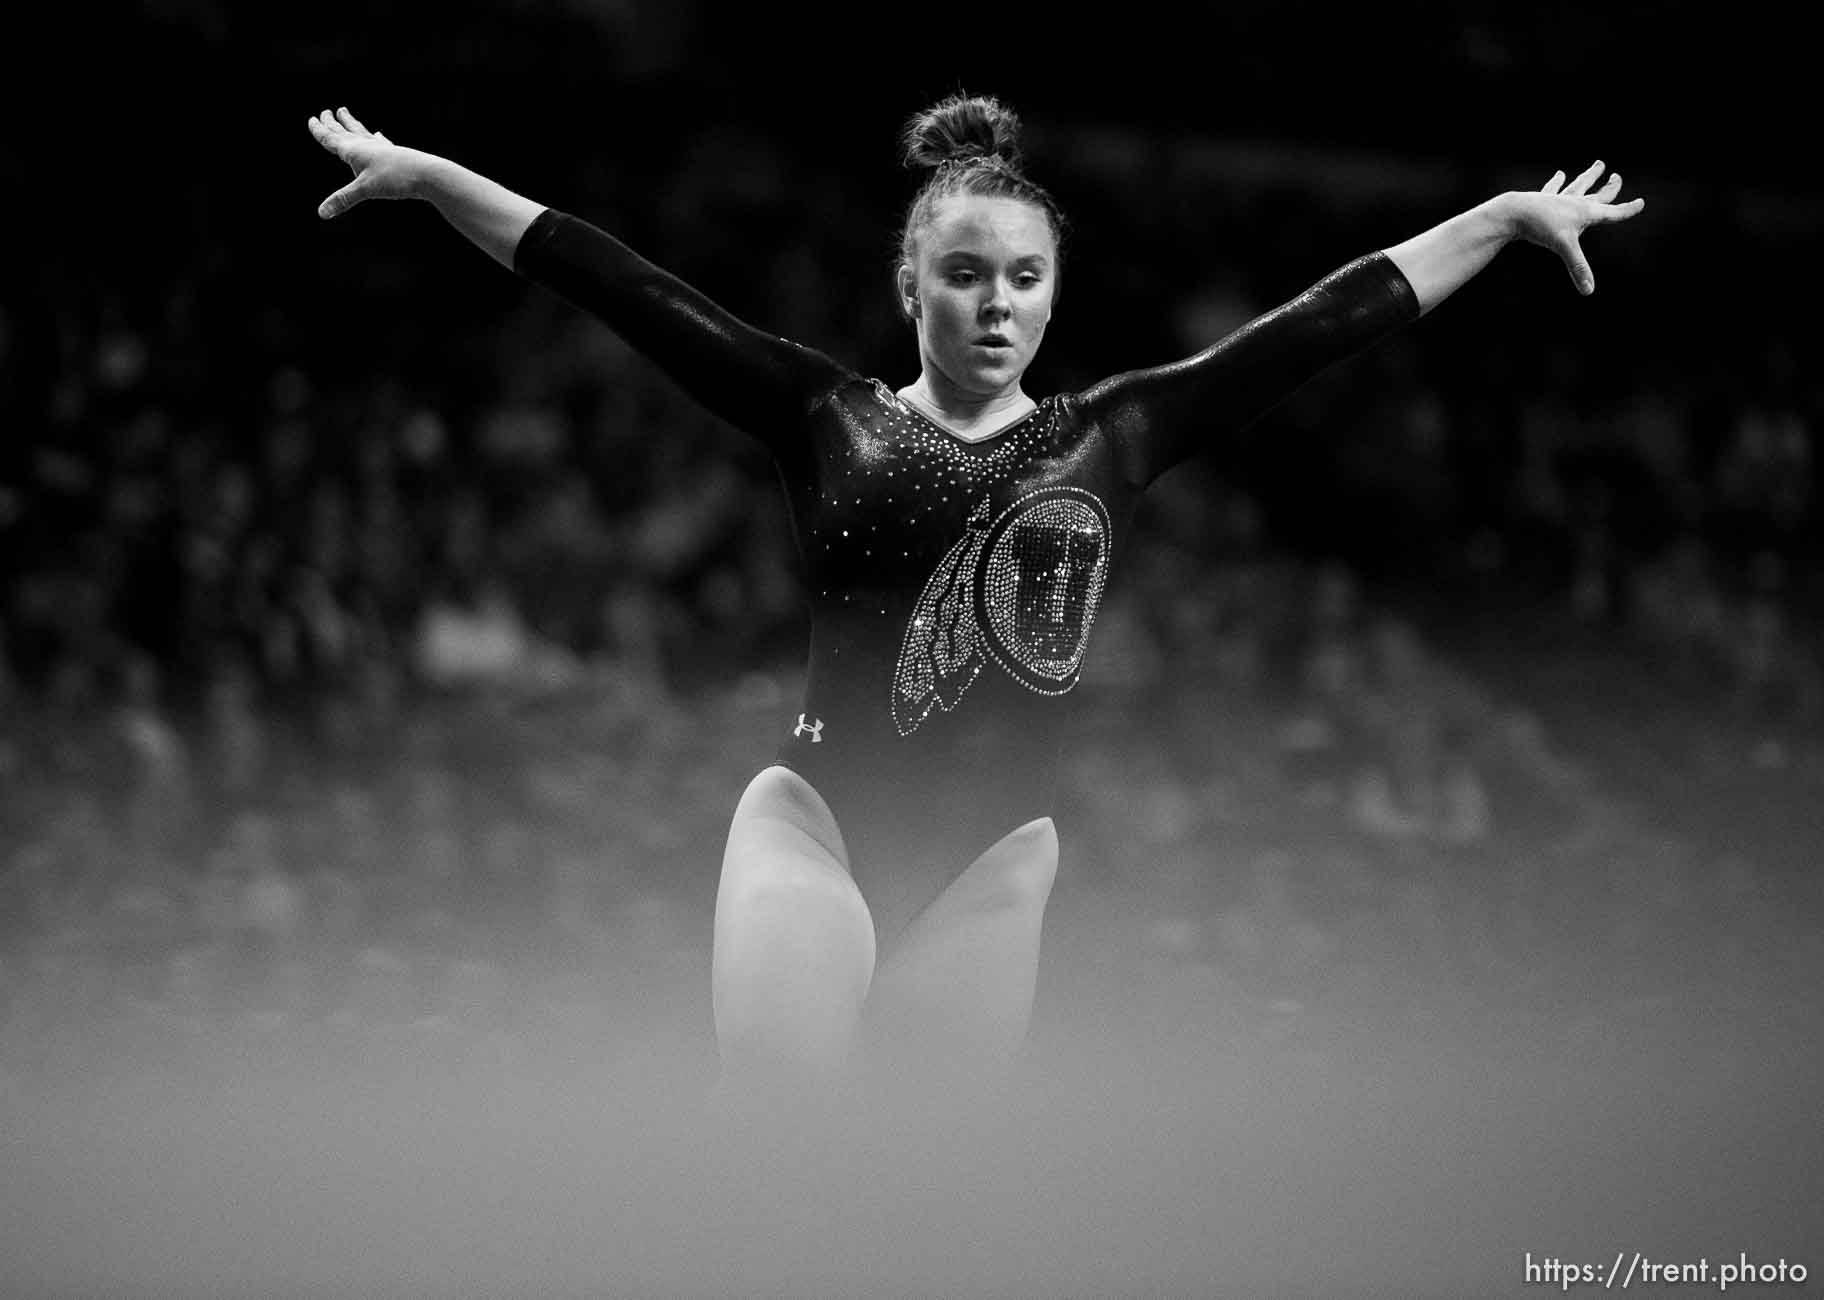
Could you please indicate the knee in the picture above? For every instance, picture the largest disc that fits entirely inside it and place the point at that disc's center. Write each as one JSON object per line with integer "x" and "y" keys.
{"x": 780, "y": 804}
{"x": 1037, "y": 839}
{"x": 1038, "y": 869}
{"x": 1023, "y": 865}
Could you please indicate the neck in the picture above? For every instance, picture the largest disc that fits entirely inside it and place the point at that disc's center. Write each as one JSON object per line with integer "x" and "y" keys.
{"x": 958, "y": 407}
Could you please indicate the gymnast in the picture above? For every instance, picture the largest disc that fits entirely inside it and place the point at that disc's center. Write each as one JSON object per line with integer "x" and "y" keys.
{"x": 957, "y": 537}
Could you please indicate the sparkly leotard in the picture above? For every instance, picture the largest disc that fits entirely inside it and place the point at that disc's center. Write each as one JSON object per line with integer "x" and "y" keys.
{"x": 953, "y": 584}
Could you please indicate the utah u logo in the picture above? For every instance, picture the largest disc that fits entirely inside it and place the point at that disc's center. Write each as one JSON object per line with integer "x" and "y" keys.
{"x": 814, "y": 728}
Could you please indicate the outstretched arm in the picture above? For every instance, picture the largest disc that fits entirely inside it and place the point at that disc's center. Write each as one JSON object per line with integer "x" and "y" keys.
{"x": 1160, "y": 416}
{"x": 754, "y": 380}
{"x": 1444, "y": 258}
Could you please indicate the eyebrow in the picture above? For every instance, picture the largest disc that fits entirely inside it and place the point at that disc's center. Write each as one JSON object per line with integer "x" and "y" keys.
{"x": 963, "y": 254}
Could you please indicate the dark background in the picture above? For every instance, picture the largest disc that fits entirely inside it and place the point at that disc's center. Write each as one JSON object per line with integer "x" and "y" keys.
{"x": 383, "y": 647}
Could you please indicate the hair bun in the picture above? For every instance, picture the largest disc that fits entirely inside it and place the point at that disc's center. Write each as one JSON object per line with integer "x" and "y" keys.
{"x": 960, "y": 128}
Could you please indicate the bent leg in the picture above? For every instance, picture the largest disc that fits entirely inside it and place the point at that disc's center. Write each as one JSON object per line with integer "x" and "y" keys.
{"x": 794, "y": 941}
{"x": 955, "y": 997}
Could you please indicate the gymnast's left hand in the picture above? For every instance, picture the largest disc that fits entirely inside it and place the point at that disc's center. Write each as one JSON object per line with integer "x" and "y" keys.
{"x": 1557, "y": 215}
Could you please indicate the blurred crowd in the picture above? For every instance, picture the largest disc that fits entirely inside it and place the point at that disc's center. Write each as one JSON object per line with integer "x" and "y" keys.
{"x": 337, "y": 686}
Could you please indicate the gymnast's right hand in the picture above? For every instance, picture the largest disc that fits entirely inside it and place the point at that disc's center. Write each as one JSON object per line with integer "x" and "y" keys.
{"x": 382, "y": 169}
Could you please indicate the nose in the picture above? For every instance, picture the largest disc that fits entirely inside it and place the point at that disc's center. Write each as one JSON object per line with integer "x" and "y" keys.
{"x": 998, "y": 305}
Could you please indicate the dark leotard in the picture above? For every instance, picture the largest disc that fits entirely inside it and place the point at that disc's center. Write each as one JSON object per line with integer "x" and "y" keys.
{"x": 953, "y": 584}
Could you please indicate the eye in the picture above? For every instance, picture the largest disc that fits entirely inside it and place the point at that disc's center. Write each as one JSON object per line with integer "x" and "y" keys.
{"x": 962, "y": 277}
{"x": 1027, "y": 279}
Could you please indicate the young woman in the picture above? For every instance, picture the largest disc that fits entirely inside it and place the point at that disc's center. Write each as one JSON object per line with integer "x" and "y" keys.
{"x": 957, "y": 538}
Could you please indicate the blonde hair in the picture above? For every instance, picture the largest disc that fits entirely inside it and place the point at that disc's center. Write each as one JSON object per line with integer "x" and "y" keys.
{"x": 970, "y": 144}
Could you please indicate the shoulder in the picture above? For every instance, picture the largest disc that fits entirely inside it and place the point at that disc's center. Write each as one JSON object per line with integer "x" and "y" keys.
{"x": 1094, "y": 402}
{"x": 859, "y": 392}
{"x": 829, "y": 379}
{"x": 856, "y": 390}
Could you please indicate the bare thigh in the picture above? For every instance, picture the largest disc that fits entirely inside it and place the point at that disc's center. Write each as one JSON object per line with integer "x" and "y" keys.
{"x": 959, "y": 985}
{"x": 794, "y": 941}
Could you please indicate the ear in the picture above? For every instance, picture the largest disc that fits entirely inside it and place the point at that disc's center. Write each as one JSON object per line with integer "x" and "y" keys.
{"x": 906, "y": 281}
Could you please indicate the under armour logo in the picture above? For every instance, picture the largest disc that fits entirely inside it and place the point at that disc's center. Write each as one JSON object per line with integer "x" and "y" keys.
{"x": 815, "y": 728}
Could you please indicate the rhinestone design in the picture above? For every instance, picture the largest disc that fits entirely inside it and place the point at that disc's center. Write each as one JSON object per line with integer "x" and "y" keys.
{"x": 941, "y": 653}
{"x": 1023, "y": 588}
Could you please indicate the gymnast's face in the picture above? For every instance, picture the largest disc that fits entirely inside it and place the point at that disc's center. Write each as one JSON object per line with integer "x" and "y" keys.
{"x": 981, "y": 292}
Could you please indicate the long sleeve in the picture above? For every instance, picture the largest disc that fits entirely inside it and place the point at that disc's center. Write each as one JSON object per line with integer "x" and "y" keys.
{"x": 762, "y": 384}
{"x": 1160, "y": 416}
